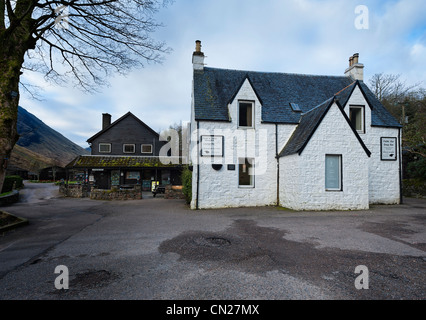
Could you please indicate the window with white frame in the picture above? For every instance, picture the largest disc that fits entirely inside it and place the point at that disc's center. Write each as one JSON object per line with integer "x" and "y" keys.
{"x": 246, "y": 172}
{"x": 356, "y": 115}
{"x": 333, "y": 172}
{"x": 146, "y": 148}
{"x": 128, "y": 148}
{"x": 246, "y": 114}
{"x": 105, "y": 147}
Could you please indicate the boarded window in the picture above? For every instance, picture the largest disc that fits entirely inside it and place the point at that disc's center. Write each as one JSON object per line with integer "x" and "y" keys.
{"x": 246, "y": 172}
{"x": 333, "y": 172}
{"x": 245, "y": 114}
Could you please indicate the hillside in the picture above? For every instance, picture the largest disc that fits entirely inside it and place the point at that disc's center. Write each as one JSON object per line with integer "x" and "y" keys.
{"x": 40, "y": 146}
{"x": 26, "y": 159}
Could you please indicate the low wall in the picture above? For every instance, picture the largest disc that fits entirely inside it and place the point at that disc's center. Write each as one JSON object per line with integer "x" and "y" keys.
{"x": 74, "y": 190}
{"x": 10, "y": 198}
{"x": 126, "y": 194}
{"x": 173, "y": 192}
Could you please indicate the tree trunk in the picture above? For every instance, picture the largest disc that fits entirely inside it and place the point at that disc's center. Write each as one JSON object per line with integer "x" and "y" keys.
{"x": 11, "y": 60}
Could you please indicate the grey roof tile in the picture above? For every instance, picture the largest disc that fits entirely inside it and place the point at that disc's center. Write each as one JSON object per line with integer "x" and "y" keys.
{"x": 215, "y": 88}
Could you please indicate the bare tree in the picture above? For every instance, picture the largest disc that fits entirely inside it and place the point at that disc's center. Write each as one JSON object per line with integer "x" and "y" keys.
{"x": 390, "y": 87}
{"x": 77, "y": 41}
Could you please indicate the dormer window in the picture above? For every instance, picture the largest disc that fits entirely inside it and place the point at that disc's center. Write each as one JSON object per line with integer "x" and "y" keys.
{"x": 245, "y": 114}
{"x": 128, "y": 148}
{"x": 357, "y": 117}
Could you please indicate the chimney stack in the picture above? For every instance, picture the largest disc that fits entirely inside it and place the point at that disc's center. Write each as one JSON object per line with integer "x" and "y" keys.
{"x": 198, "y": 57}
{"x": 355, "y": 69}
{"x": 106, "y": 120}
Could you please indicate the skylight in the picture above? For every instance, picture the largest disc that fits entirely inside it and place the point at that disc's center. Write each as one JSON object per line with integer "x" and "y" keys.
{"x": 295, "y": 107}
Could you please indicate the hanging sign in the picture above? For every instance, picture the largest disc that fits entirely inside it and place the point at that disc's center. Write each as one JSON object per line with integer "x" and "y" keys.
{"x": 212, "y": 146}
{"x": 388, "y": 149}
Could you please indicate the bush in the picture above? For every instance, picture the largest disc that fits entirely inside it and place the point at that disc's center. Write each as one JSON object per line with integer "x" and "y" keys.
{"x": 414, "y": 188}
{"x": 9, "y": 181}
{"x": 417, "y": 169}
{"x": 187, "y": 184}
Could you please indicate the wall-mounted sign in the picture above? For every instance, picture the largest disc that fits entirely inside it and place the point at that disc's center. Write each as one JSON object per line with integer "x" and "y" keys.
{"x": 212, "y": 146}
{"x": 388, "y": 149}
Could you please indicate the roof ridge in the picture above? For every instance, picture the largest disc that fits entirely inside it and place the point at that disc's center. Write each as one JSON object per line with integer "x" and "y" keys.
{"x": 345, "y": 88}
{"x": 275, "y": 72}
{"x": 319, "y": 105}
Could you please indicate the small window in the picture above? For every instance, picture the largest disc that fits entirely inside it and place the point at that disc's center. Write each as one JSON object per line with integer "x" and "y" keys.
{"x": 245, "y": 114}
{"x": 128, "y": 148}
{"x": 146, "y": 148}
{"x": 356, "y": 115}
{"x": 246, "y": 172}
{"x": 333, "y": 172}
{"x": 105, "y": 147}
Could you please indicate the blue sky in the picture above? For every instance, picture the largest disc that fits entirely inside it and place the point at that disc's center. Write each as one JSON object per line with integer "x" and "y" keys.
{"x": 295, "y": 36}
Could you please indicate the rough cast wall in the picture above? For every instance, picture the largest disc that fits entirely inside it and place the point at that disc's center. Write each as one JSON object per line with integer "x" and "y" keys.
{"x": 384, "y": 186}
{"x": 302, "y": 179}
{"x": 219, "y": 188}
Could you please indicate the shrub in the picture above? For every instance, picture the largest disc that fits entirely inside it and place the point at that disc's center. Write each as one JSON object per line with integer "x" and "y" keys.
{"x": 9, "y": 181}
{"x": 187, "y": 184}
{"x": 417, "y": 169}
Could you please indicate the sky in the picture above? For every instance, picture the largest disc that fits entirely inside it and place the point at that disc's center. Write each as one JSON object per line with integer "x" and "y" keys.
{"x": 289, "y": 36}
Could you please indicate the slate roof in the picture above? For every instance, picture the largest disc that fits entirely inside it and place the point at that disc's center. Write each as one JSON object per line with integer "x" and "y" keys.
{"x": 128, "y": 114}
{"x": 117, "y": 162}
{"x": 306, "y": 128}
{"x": 215, "y": 88}
{"x": 309, "y": 122}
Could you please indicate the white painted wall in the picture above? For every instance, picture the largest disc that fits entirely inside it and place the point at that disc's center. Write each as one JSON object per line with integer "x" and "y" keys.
{"x": 302, "y": 177}
{"x": 302, "y": 185}
{"x": 218, "y": 189}
{"x": 384, "y": 186}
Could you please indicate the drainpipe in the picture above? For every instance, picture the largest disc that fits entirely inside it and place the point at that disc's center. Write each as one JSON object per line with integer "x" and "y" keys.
{"x": 198, "y": 164}
{"x": 400, "y": 166}
{"x": 278, "y": 164}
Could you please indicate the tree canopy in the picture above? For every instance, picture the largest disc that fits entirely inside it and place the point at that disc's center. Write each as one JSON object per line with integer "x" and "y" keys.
{"x": 78, "y": 41}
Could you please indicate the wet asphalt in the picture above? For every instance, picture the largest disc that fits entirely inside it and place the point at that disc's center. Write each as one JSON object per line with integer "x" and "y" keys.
{"x": 159, "y": 249}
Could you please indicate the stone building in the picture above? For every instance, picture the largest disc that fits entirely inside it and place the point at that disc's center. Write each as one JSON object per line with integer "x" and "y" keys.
{"x": 306, "y": 142}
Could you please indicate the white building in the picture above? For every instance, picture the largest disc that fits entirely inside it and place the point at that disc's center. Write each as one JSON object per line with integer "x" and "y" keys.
{"x": 304, "y": 142}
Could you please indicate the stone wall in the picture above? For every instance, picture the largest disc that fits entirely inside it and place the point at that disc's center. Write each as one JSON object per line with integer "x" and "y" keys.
{"x": 74, "y": 190}
{"x": 83, "y": 191}
{"x": 173, "y": 192}
{"x": 125, "y": 194}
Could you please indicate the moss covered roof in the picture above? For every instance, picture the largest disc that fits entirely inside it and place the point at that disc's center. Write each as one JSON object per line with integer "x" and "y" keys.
{"x": 119, "y": 162}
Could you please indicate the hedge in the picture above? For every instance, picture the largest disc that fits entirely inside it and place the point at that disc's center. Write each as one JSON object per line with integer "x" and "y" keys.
{"x": 187, "y": 184}
{"x": 10, "y": 180}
